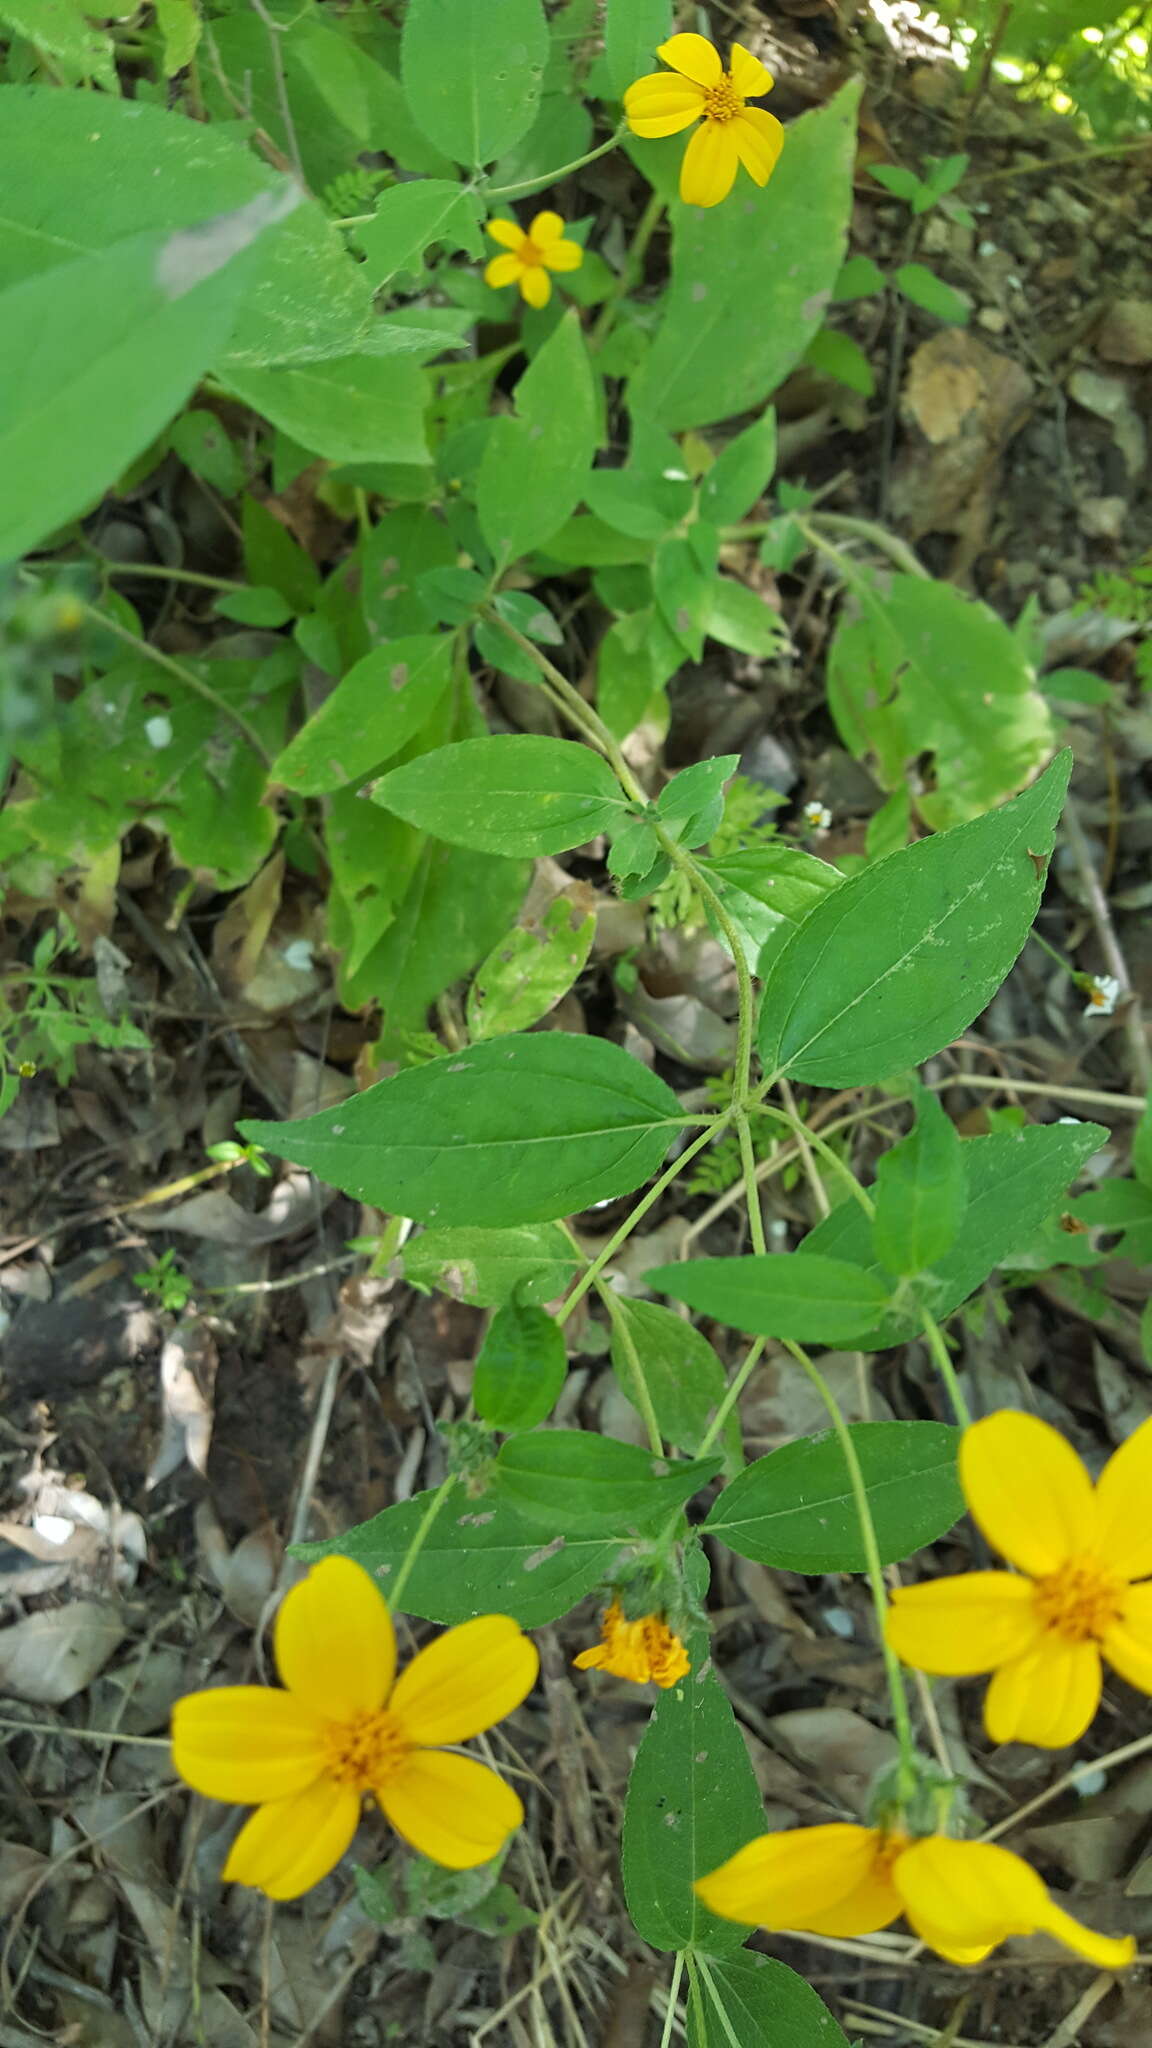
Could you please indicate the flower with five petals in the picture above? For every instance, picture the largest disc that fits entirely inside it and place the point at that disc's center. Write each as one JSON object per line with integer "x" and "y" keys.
{"x": 962, "y": 1898}
{"x": 697, "y": 88}
{"x": 345, "y": 1725}
{"x": 531, "y": 256}
{"x": 1080, "y": 1552}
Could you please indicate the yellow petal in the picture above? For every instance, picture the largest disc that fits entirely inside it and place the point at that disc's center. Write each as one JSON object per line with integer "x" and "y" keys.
{"x": 693, "y": 57}
{"x": 751, "y": 78}
{"x": 1028, "y": 1490}
{"x": 875, "y": 1903}
{"x": 964, "y": 1897}
{"x": 1123, "y": 1491}
{"x": 335, "y": 1645}
{"x": 503, "y": 270}
{"x": 662, "y": 104}
{"x": 245, "y": 1742}
{"x": 708, "y": 171}
{"x": 289, "y": 1845}
{"x": 536, "y": 286}
{"x": 969, "y": 1623}
{"x": 547, "y": 227}
{"x": 564, "y": 256}
{"x": 453, "y": 1809}
{"x": 759, "y": 138}
{"x": 1048, "y": 1697}
{"x": 507, "y": 232}
{"x": 782, "y": 1880}
{"x": 470, "y": 1677}
{"x": 1128, "y": 1644}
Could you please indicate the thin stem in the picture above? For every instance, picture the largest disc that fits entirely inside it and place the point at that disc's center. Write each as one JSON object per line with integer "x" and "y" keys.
{"x": 190, "y": 680}
{"x": 820, "y": 526}
{"x": 819, "y": 1191}
{"x": 1041, "y": 941}
{"x": 673, "y": 1995}
{"x": 801, "y": 1132}
{"x": 1007, "y": 1084}
{"x": 590, "y": 1276}
{"x": 746, "y": 1017}
{"x": 643, "y": 1395}
{"x": 732, "y": 1395}
{"x": 161, "y": 571}
{"x": 751, "y": 1185}
{"x": 551, "y": 177}
{"x": 875, "y": 1570}
{"x": 419, "y": 1539}
{"x": 629, "y": 271}
{"x": 945, "y": 1368}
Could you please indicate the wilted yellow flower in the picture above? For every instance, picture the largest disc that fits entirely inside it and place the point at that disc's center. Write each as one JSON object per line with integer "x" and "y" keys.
{"x": 1082, "y": 1547}
{"x": 345, "y": 1725}
{"x": 642, "y": 1650}
{"x": 731, "y": 132}
{"x": 531, "y": 256}
{"x": 962, "y": 1898}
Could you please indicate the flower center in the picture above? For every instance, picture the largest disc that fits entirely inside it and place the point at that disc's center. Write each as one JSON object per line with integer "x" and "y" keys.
{"x": 365, "y": 1751}
{"x": 1081, "y": 1601}
{"x": 722, "y": 102}
{"x": 529, "y": 254}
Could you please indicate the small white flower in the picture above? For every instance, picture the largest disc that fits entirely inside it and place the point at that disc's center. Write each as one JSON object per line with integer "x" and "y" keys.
{"x": 1103, "y": 996}
{"x": 817, "y": 817}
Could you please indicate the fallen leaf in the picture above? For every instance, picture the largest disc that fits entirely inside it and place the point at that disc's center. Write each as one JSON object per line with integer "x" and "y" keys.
{"x": 188, "y": 1365}
{"x": 50, "y": 1657}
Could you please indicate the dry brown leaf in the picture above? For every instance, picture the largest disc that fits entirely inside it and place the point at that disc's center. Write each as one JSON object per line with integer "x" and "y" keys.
{"x": 188, "y": 1365}
{"x": 50, "y": 1657}
{"x": 842, "y": 1749}
{"x": 295, "y": 1202}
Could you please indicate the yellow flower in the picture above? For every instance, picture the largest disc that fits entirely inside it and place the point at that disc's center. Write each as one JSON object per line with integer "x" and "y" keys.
{"x": 731, "y": 132}
{"x": 641, "y": 1650}
{"x": 962, "y": 1898}
{"x": 1081, "y": 1548}
{"x": 531, "y": 256}
{"x": 346, "y": 1725}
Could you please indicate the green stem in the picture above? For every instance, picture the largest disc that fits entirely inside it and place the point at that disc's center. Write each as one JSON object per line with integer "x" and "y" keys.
{"x": 839, "y": 1166}
{"x": 901, "y": 1716}
{"x": 643, "y": 1395}
{"x": 751, "y": 1184}
{"x": 527, "y": 185}
{"x": 820, "y": 526}
{"x": 1052, "y": 953}
{"x": 185, "y": 676}
{"x": 419, "y": 1539}
{"x": 673, "y": 1995}
{"x": 629, "y": 272}
{"x": 746, "y": 1015}
{"x": 592, "y": 1273}
{"x": 944, "y": 1366}
{"x": 732, "y": 1395}
{"x": 160, "y": 571}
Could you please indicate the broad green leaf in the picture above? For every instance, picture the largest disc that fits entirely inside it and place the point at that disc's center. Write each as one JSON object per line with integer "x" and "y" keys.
{"x": 98, "y": 353}
{"x": 454, "y": 908}
{"x": 767, "y": 892}
{"x": 201, "y": 441}
{"x": 931, "y": 294}
{"x": 472, "y": 73}
{"x": 902, "y": 956}
{"x": 1015, "y": 1181}
{"x": 926, "y": 669}
{"x": 683, "y": 584}
{"x": 749, "y": 1999}
{"x": 775, "y": 1295}
{"x": 635, "y": 659}
{"x": 741, "y": 473}
{"x": 271, "y": 556}
{"x": 358, "y": 408}
{"x": 377, "y": 708}
{"x": 692, "y": 1801}
{"x": 921, "y": 1192}
{"x": 739, "y": 617}
{"x": 393, "y": 557}
{"x": 633, "y": 31}
{"x": 514, "y": 793}
{"x": 795, "y": 1508}
{"x": 684, "y": 1379}
{"x": 636, "y": 503}
{"x": 837, "y": 355}
{"x": 534, "y": 467}
{"x": 691, "y": 806}
{"x": 478, "y": 1557}
{"x": 180, "y": 26}
{"x": 521, "y": 1368}
{"x": 60, "y": 29}
{"x": 529, "y": 970}
{"x": 372, "y": 858}
{"x": 256, "y": 605}
{"x": 859, "y": 279}
{"x": 574, "y": 1480}
{"x": 409, "y": 218}
{"x": 520, "y": 1130}
{"x": 489, "y": 1267}
{"x": 715, "y": 354}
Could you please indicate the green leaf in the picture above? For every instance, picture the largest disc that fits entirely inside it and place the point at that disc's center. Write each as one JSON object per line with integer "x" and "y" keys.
{"x": 684, "y": 587}
{"x": 271, "y": 556}
{"x": 378, "y": 707}
{"x": 520, "y": 1130}
{"x": 98, "y": 353}
{"x": 691, "y": 806}
{"x": 472, "y": 72}
{"x": 409, "y": 218}
{"x": 900, "y": 958}
{"x": 768, "y": 891}
{"x": 931, "y": 294}
{"x": 635, "y": 503}
{"x": 738, "y": 617}
{"x": 576, "y": 1480}
{"x": 394, "y": 557}
{"x": 490, "y": 1267}
{"x": 926, "y": 669}
{"x": 633, "y": 31}
{"x": 749, "y": 1999}
{"x": 452, "y": 911}
{"x": 714, "y": 354}
{"x": 894, "y": 178}
{"x": 521, "y": 1368}
{"x": 256, "y": 605}
{"x": 180, "y": 25}
{"x": 1015, "y": 1181}
{"x": 480, "y": 1556}
{"x": 921, "y": 1192}
{"x": 1077, "y": 686}
{"x": 685, "y": 1380}
{"x": 692, "y": 1801}
{"x": 836, "y": 355}
{"x": 361, "y": 408}
{"x": 859, "y": 278}
{"x": 775, "y": 1295}
{"x": 795, "y": 1509}
{"x": 512, "y": 793}
{"x": 535, "y": 467}
{"x": 60, "y": 30}
{"x": 529, "y": 970}
{"x": 627, "y": 673}
{"x": 201, "y": 441}
{"x": 741, "y": 473}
